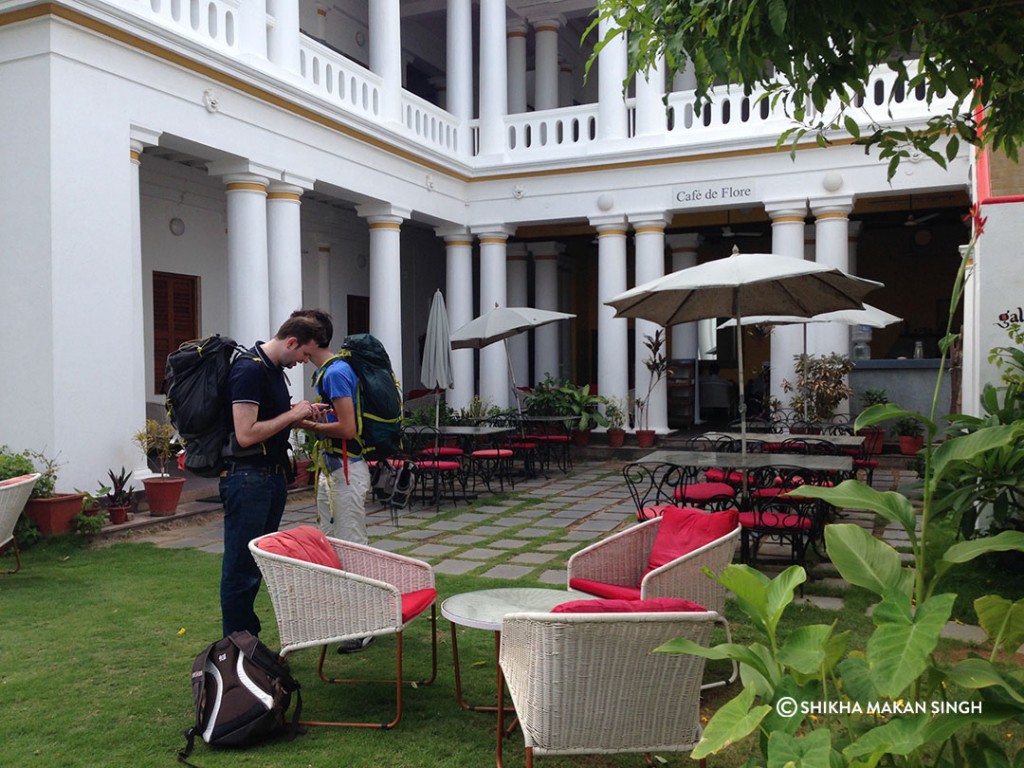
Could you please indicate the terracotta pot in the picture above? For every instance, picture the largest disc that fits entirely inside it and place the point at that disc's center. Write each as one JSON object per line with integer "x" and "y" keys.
{"x": 53, "y": 515}
{"x": 873, "y": 439}
{"x": 616, "y": 437}
{"x": 581, "y": 438}
{"x": 911, "y": 444}
{"x": 163, "y": 493}
{"x": 118, "y": 515}
{"x": 645, "y": 438}
{"x": 303, "y": 476}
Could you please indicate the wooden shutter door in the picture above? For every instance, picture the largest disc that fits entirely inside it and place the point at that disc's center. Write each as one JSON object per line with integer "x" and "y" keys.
{"x": 175, "y": 317}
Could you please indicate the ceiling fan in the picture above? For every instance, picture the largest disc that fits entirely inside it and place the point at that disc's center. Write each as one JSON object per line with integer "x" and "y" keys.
{"x": 728, "y": 231}
{"x": 915, "y": 221}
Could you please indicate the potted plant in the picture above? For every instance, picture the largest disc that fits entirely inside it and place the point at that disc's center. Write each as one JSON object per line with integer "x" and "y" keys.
{"x": 657, "y": 366}
{"x": 821, "y": 385}
{"x": 582, "y": 408}
{"x": 908, "y": 430}
{"x": 615, "y": 414}
{"x": 873, "y": 436}
{"x": 163, "y": 492}
{"x": 302, "y": 451}
{"x": 118, "y": 498}
{"x": 52, "y": 512}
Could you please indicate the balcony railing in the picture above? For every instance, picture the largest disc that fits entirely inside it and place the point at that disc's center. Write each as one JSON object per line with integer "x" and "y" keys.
{"x": 339, "y": 85}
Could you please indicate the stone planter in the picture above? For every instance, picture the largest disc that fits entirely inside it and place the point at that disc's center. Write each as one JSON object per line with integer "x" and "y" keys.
{"x": 53, "y": 515}
{"x": 163, "y": 494}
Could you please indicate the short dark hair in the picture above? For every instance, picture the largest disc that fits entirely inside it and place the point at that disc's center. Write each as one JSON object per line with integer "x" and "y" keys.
{"x": 308, "y": 325}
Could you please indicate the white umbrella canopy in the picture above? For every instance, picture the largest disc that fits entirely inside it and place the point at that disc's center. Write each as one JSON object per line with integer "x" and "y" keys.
{"x": 744, "y": 284}
{"x": 500, "y": 324}
{"x": 436, "y": 371}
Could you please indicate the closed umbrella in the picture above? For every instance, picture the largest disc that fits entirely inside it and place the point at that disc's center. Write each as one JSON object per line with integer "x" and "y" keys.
{"x": 500, "y": 324}
{"x": 436, "y": 371}
{"x": 744, "y": 284}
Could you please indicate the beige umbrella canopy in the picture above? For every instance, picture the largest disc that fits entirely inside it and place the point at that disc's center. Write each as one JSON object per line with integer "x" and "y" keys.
{"x": 744, "y": 284}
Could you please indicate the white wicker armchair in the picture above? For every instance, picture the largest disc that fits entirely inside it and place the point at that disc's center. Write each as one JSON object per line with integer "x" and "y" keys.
{"x": 13, "y": 495}
{"x": 589, "y": 683}
{"x": 620, "y": 560}
{"x": 317, "y": 605}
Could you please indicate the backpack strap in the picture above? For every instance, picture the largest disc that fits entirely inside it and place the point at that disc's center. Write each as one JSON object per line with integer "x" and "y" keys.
{"x": 272, "y": 664}
{"x": 198, "y": 695}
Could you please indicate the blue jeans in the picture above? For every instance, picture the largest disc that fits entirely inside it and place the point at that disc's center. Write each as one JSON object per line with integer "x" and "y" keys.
{"x": 253, "y": 504}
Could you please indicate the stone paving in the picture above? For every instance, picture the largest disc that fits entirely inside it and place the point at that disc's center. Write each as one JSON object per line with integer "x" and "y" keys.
{"x": 546, "y": 517}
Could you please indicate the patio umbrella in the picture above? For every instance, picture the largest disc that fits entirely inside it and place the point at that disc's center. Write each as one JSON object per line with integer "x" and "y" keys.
{"x": 870, "y": 315}
{"x": 436, "y": 371}
{"x": 500, "y": 324}
{"x": 744, "y": 284}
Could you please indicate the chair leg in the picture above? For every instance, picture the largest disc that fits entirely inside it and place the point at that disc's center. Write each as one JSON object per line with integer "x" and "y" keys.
{"x": 17, "y": 557}
{"x": 398, "y": 681}
{"x": 735, "y": 667}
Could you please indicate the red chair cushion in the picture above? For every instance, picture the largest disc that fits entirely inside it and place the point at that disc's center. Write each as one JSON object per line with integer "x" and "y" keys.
{"x": 431, "y": 465}
{"x": 492, "y": 453}
{"x": 703, "y": 492}
{"x": 684, "y": 529}
{"x": 733, "y": 476}
{"x": 651, "y": 605}
{"x": 611, "y": 591}
{"x": 774, "y": 521}
{"x": 415, "y": 603}
{"x": 15, "y": 480}
{"x": 651, "y": 512}
{"x": 441, "y": 450}
{"x": 304, "y": 543}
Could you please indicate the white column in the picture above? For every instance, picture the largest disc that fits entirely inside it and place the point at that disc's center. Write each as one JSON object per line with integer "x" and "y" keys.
{"x": 649, "y": 242}
{"x": 831, "y": 220}
{"x": 612, "y": 120}
{"x": 612, "y": 332}
{"x": 252, "y": 29}
{"x": 248, "y": 271}
{"x": 459, "y": 58}
{"x": 545, "y": 63}
{"x": 651, "y": 118}
{"x": 493, "y": 77}
{"x": 684, "y": 341}
{"x": 545, "y": 290}
{"x": 385, "y": 224}
{"x": 284, "y": 260}
{"x": 135, "y": 356}
{"x": 459, "y": 301}
{"x": 515, "y": 37}
{"x": 386, "y": 56}
{"x": 283, "y": 42}
{"x": 494, "y": 375}
{"x": 787, "y": 240}
{"x": 323, "y": 278}
{"x": 518, "y": 296}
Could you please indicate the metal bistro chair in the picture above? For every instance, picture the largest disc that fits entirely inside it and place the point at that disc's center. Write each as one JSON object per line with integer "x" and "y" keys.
{"x": 777, "y": 515}
{"x": 652, "y": 487}
{"x": 438, "y": 466}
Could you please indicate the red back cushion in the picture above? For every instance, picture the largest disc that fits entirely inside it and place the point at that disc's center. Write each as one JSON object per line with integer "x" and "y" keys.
{"x": 303, "y": 543}
{"x": 684, "y": 529}
{"x": 15, "y": 480}
{"x": 651, "y": 605}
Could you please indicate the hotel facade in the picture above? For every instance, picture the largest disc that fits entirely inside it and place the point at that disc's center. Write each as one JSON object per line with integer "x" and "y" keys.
{"x": 176, "y": 168}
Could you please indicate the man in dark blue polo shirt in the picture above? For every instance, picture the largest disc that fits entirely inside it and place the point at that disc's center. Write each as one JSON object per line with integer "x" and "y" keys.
{"x": 253, "y": 487}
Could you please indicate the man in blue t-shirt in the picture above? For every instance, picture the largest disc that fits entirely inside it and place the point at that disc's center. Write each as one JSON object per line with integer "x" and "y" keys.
{"x": 253, "y": 488}
{"x": 341, "y": 495}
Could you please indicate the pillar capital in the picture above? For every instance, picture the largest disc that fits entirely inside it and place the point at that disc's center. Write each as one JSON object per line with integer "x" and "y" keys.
{"x": 786, "y": 211}
{"x": 241, "y": 167}
{"x": 547, "y": 23}
{"x": 281, "y": 192}
{"x": 454, "y": 234}
{"x": 383, "y": 211}
{"x": 517, "y": 252}
{"x": 246, "y": 182}
{"x": 832, "y": 207}
{"x": 140, "y": 138}
{"x": 515, "y": 28}
{"x": 650, "y": 221}
{"x": 609, "y": 225}
{"x": 491, "y": 232}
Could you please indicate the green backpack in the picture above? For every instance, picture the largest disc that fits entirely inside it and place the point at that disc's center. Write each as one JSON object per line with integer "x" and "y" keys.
{"x": 378, "y": 402}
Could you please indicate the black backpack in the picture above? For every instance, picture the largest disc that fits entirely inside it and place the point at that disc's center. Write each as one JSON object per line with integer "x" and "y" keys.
{"x": 378, "y": 404}
{"x": 195, "y": 382}
{"x": 242, "y": 691}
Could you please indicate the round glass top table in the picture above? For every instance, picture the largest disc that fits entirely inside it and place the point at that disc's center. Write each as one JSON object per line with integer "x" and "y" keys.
{"x": 484, "y": 610}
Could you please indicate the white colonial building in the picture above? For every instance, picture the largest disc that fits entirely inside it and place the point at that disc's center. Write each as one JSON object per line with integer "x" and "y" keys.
{"x": 174, "y": 168}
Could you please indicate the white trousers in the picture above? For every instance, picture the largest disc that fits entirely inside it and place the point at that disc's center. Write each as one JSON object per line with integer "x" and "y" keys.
{"x": 341, "y": 506}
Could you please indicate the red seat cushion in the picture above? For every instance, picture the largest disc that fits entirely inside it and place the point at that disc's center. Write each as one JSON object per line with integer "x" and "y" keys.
{"x": 438, "y": 466}
{"x": 611, "y": 591}
{"x": 715, "y": 475}
{"x": 683, "y": 529}
{"x": 492, "y": 453}
{"x": 304, "y": 543}
{"x": 415, "y": 603}
{"x": 773, "y": 520}
{"x": 703, "y": 492}
{"x": 441, "y": 450}
{"x": 651, "y": 605}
